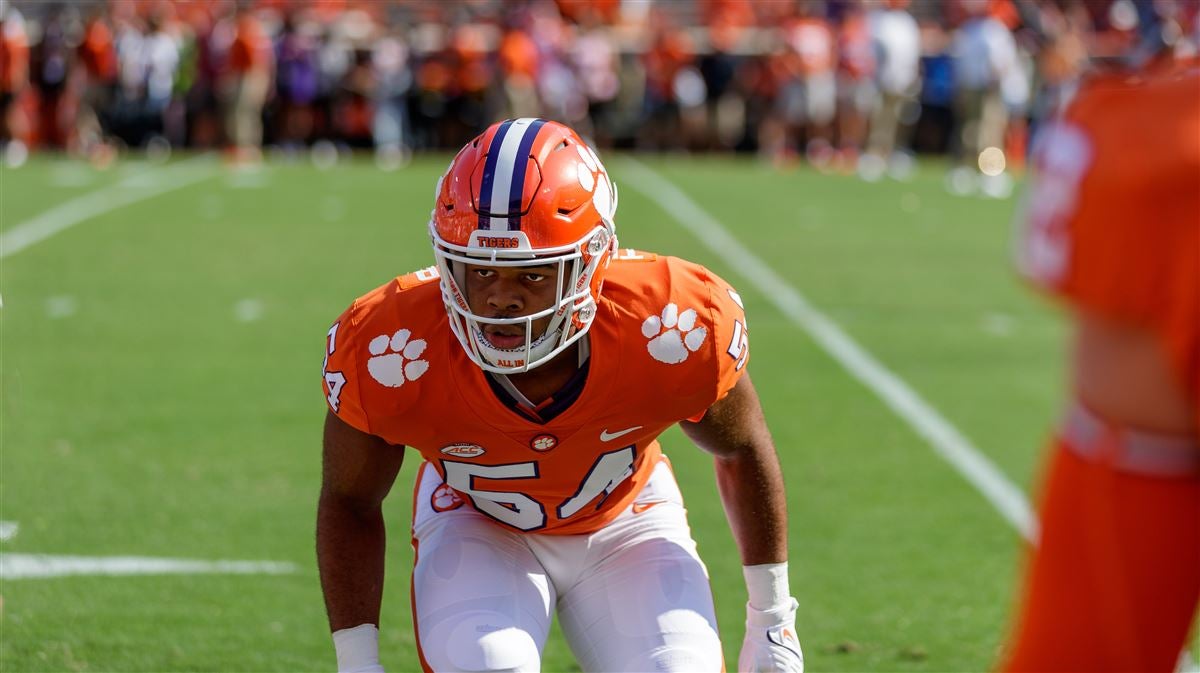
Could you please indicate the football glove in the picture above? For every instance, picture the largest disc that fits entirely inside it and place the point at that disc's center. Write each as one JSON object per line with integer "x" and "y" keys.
{"x": 771, "y": 643}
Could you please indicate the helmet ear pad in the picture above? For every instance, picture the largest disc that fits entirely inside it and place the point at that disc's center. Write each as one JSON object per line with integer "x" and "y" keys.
{"x": 597, "y": 254}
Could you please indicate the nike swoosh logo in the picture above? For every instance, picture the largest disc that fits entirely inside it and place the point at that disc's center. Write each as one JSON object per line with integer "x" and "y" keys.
{"x": 639, "y": 507}
{"x": 606, "y": 436}
{"x": 785, "y": 640}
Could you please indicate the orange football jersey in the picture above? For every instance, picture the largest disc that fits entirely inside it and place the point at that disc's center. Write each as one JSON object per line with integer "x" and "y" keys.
{"x": 1112, "y": 220}
{"x": 668, "y": 341}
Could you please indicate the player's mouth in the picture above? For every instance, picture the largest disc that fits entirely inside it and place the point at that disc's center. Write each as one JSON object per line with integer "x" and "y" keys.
{"x": 506, "y": 337}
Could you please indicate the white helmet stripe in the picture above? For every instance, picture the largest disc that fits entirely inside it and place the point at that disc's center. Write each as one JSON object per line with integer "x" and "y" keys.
{"x": 503, "y": 177}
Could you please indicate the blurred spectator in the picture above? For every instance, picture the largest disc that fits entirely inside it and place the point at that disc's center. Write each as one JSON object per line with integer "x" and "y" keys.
{"x": 246, "y": 86}
{"x": 594, "y": 58}
{"x": 560, "y": 90}
{"x": 212, "y": 33}
{"x": 1063, "y": 56}
{"x": 14, "y": 83}
{"x": 935, "y": 125}
{"x": 1015, "y": 91}
{"x": 897, "y": 42}
{"x": 178, "y": 117}
{"x": 726, "y": 102}
{"x": 127, "y": 115}
{"x": 98, "y": 67}
{"x": 162, "y": 63}
{"x": 431, "y": 100}
{"x": 393, "y": 80}
{"x": 857, "y": 92}
{"x": 296, "y": 80}
{"x": 49, "y": 66}
{"x": 354, "y": 112}
{"x": 985, "y": 54}
{"x": 669, "y": 54}
{"x": 808, "y": 89}
{"x": 629, "y": 108}
{"x": 519, "y": 61}
{"x": 335, "y": 55}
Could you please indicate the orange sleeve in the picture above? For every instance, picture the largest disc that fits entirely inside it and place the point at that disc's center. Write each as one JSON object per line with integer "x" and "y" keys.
{"x": 732, "y": 338}
{"x": 728, "y": 351}
{"x": 341, "y": 375}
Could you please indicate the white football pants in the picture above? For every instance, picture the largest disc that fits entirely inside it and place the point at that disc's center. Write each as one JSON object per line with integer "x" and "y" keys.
{"x": 631, "y": 597}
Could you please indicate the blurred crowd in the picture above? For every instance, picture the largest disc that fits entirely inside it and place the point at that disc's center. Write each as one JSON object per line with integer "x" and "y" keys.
{"x": 852, "y": 85}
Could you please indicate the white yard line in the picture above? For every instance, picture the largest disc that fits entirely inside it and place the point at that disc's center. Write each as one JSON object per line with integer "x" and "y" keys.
{"x": 137, "y": 187}
{"x": 39, "y": 566}
{"x": 942, "y": 436}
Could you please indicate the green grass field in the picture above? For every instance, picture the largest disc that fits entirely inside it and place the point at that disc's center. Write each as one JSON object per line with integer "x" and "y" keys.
{"x": 161, "y": 398}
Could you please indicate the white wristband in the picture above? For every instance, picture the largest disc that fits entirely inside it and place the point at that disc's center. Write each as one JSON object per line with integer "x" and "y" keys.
{"x": 767, "y": 585}
{"x": 357, "y": 649}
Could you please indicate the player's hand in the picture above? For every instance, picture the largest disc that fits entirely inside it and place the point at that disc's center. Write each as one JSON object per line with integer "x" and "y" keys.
{"x": 771, "y": 643}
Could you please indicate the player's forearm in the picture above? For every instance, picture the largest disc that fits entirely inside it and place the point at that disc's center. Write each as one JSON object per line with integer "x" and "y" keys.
{"x": 751, "y": 487}
{"x": 350, "y": 555}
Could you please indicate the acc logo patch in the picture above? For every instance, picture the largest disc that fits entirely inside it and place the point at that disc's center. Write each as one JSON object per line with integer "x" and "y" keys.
{"x": 444, "y": 499}
{"x": 464, "y": 450}
{"x": 543, "y": 442}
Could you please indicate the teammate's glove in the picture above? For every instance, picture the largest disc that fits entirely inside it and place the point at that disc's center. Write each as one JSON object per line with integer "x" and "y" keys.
{"x": 771, "y": 643}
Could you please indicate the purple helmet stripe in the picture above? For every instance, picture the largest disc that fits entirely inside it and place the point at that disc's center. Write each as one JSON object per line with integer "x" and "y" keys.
{"x": 484, "y": 206}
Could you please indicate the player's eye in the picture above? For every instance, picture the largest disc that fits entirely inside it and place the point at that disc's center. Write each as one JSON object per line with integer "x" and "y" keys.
{"x": 483, "y": 272}
{"x": 535, "y": 277}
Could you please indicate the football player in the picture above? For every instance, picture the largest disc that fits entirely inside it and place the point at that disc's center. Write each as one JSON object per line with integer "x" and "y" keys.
{"x": 533, "y": 368}
{"x": 1113, "y": 227}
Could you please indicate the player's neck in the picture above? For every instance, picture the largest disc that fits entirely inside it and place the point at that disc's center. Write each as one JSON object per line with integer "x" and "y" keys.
{"x": 541, "y": 383}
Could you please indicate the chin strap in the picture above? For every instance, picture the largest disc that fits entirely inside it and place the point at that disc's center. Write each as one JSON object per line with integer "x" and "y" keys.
{"x": 493, "y": 355}
{"x": 585, "y": 351}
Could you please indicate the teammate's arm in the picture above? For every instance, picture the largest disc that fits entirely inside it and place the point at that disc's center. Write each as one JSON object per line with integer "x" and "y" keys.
{"x": 751, "y": 485}
{"x": 358, "y": 470}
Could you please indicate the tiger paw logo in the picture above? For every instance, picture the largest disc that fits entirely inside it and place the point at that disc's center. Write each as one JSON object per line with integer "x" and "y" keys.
{"x": 395, "y": 358}
{"x": 673, "y": 335}
{"x": 444, "y": 499}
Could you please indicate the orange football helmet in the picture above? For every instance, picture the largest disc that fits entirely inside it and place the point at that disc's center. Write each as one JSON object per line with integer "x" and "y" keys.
{"x": 526, "y": 191}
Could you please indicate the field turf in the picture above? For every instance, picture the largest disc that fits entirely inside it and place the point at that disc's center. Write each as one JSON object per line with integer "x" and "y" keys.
{"x": 161, "y": 398}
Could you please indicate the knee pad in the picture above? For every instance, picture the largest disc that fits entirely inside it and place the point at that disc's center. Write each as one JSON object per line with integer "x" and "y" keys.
{"x": 678, "y": 658}
{"x": 478, "y": 642}
{"x": 687, "y": 644}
